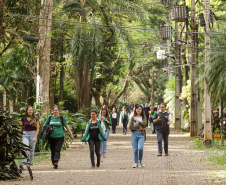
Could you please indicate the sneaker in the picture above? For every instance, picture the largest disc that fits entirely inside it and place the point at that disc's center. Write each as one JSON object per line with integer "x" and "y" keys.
{"x": 98, "y": 164}
{"x": 135, "y": 165}
{"x": 55, "y": 165}
{"x": 104, "y": 155}
{"x": 159, "y": 154}
{"x": 141, "y": 164}
{"x": 24, "y": 167}
{"x": 166, "y": 154}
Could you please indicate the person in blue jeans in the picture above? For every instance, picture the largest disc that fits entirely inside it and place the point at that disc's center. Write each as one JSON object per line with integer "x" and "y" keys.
{"x": 162, "y": 121}
{"x": 137, "y": 125}
{"x": 105, "y": 124}
{"x": 30, "y": 127}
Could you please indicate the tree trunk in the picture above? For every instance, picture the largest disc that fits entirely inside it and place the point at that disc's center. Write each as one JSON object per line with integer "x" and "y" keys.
{"x": 52, "y": 83}
{"x": 96, "y": 95}
{"x": 62, "y": 76}
{"x": 123, "y": 89}
{"x": 2, "y": 29}
{"x": 43, "y": 54}
{"x": 83, "y": 88}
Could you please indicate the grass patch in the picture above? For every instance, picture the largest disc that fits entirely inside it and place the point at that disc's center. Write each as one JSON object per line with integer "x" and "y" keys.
{"x": 41, "y": 157}
{"x": 218, "y": 149}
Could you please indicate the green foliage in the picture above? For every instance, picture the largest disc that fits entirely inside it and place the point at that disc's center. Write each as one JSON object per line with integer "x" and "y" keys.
{"x": 10, "y": 147}
{"x": 169, "y": 94}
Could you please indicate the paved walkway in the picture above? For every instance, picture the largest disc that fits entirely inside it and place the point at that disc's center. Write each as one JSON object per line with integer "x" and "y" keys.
{"x": 184, "y": 165}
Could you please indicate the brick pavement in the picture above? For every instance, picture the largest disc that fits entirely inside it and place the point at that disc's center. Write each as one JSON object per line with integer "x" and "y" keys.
{"x": 184, "y": 165}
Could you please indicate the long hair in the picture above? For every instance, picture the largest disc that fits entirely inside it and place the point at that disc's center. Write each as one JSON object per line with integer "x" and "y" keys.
{"x": 142, "y": 113}
{"x": 33, "y": 118}
{"x": 107, "y": 116}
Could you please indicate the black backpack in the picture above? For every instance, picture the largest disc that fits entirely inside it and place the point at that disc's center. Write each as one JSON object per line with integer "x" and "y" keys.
{"x": 46, "y": 128}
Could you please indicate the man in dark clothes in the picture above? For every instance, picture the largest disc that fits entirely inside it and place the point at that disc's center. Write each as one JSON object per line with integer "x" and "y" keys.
{"x": 162, "y": 120}
{"x": 146, "y": 111}
{"x": 131, "y": 107}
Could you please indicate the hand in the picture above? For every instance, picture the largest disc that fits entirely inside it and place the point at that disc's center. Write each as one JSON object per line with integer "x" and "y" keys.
{"x": 168, "y": 123}
{"x": 159, "y": 118}
{"x": 34, "y": 139}
{"x": 141, "y": 128}
{"x": 106, "y": 120}
{"x": 135, "y": 119}
{"x": 51, "y": 128}
{"x": 72, "y": 137}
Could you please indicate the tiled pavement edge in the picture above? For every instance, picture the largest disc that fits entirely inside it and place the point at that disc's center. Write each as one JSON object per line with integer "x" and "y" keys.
{"x": 184, "y": 165}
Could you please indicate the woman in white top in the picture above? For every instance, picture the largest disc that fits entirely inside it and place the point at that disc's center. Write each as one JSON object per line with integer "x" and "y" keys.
{"x": 137, "y": 125}
{"x": 114, "y": 119}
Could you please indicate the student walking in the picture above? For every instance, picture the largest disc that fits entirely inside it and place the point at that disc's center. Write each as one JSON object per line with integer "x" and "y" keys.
{"x": 146, "y": 111}
{"x": 124, "y": 120}
{"x": 30, "y": 127}
{"x": 105, "y": 124}
{"x": 56, "y": 138}
{"x": 162, "y": 120}
{"x": 94, "y": 135}
{"x": 114, "y": 119}
{"x": 137, "y": 125}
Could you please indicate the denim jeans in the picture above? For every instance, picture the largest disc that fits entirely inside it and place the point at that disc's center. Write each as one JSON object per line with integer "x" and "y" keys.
{"x": 163, "y": 136}
{"x": 28, "y": 137}
{"x": 138, "y": 144}
{"x": 103, "y": 145}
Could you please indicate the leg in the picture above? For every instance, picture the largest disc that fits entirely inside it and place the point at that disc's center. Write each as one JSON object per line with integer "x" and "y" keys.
{"x": 147, "y": 119}
{"x": 105, "y": 142}
{"x": 91, "y": 149}
{"x": 32, "y": 145}
{"x": 159, "y": 138}
{"x": 165, "y": 138}
{"x": 141, "y": 139}
{"x": 101, "y": 148}
{"x": 52, "y": 148}
{"x": 126, "y": 127}
{"x": 135, "y": 146}
{"x": 58, "y": 145}
{"x": 26, "y": 142}
{"x": 97, "y": 151}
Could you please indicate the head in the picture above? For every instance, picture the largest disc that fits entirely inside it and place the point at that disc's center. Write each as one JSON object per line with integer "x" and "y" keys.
{"x": 155, "y": 109}
{"x": 163, "y": 107}
{"x": 131, "y": 102}
{"x": 139, "y": 111}
{"x": 146, "y": 104}
{"x": 93, "y": 114}
{"x": 56, "y": 110}
{"x": 30, "y": 112}
{"x": 124, "y": 108}
{"x": 152, "y": 109}
{"x": 114, "y": 109}
{"x": 104, "y": 113}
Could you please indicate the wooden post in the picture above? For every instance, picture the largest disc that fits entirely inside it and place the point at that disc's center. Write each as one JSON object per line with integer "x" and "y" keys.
{"x": 193, "y": 116}
{"x": 207, "y": 99}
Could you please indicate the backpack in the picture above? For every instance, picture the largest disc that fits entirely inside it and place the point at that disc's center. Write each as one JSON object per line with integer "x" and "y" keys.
{"x": 46, "y": 128}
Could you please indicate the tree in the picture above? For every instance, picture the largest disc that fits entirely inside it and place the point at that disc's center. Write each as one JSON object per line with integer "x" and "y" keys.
{"x": 43, "y": 53}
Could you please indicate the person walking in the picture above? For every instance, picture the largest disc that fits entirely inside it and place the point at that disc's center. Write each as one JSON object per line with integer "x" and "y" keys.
{"x": 94, "y": 135}
{"x": 131, "y": 107}
{"x": 124, "y": 120}
{"x": 30, "y": 127}
{"x": 162, "y": 120}
{"x": 137, "y": 125}
{"x": 146, "y": 111}
{"x": 56, "y": 138}
{"x": 105, "y": 124}
{"x": 114, "y": 119}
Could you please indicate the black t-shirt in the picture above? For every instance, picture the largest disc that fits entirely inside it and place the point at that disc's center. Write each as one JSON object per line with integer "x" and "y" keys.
{"x": 94, "y": 131}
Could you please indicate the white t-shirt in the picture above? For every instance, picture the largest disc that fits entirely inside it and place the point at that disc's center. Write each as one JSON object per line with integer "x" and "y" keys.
{"x": 135, "y": 123}
{"x": 114, "y": 115}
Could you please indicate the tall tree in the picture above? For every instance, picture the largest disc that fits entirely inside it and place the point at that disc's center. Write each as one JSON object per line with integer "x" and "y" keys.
{"x": 43, "y": 54}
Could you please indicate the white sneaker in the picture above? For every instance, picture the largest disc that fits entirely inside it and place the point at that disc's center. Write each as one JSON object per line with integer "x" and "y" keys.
{"x": 142, "y": 164}
{"x": 104, "y": 155}
{"x": 135, "y": 165}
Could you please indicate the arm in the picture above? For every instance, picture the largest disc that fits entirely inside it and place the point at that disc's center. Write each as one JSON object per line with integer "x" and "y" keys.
{"x": 110, "y": 122}
{"x": 37, "y": 131}
{"x": 21, "y": 126}
{"x": 156, "y": 119}
{"x": 170, "y": 119}
{"x": 69, "y": 130}
{"x": 131, "y": 125}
